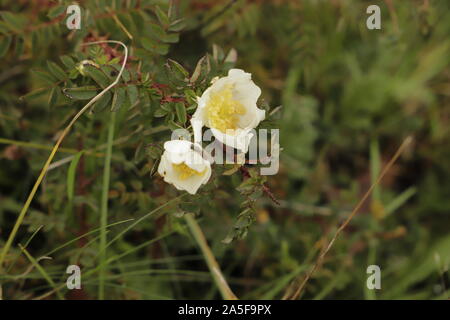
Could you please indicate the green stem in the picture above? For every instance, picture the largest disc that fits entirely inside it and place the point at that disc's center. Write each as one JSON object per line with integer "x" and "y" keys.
{"x": 213, "y": 266}
{"x": 42, "y": 272}
{"x": 104, "y": 206}
{"x": 35, "y": 145}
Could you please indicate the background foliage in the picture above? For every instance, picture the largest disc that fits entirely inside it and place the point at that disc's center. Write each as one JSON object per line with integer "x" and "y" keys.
{"x": 350, "y": 96}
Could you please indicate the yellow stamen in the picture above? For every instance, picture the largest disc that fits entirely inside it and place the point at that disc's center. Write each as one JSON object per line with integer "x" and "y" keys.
{"x": 184, "y": 171}
{"x": 222, "y": 111}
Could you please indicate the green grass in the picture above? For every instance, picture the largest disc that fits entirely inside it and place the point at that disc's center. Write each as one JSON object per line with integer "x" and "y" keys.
{"x": 104, "y": 206}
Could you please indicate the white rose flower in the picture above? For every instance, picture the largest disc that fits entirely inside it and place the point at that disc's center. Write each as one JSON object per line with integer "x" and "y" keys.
{"x": 183, "y": 166}
{"x": 229, "y": 108}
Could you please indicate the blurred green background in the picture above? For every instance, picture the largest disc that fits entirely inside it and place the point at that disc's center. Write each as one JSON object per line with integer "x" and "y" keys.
{"x": 349, "y": 97}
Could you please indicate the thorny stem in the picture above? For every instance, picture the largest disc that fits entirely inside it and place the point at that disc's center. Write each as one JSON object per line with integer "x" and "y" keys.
{"x": 265, "y": 188}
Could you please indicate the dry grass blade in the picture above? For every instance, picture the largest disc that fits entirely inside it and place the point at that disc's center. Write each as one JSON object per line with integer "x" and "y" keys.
{"x": 323, "y": 252}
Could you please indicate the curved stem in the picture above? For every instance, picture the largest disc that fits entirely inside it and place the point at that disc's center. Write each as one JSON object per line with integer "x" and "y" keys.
{"x": 55, "y": 149}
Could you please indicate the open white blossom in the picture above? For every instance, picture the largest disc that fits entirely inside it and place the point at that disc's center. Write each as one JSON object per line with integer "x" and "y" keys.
{"x": 229, "y": 108}
{"x": 183, "y": 166}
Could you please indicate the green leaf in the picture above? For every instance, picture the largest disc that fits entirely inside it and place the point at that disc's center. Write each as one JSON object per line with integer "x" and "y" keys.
{"x": 118, "y": 99}
{"x": 45, "y": 76}
{"x": 56, "y": 70}
{"x": 97, "y": 75}
{"x": 53, "y": 97}
{"x": 230, "y": 237}
{"x": 74, "y": 73}
{"x": 156, "y": 31}
{"x": 126, "y": 76}
{"x": 201, "y": 70}
{"x": 56, "y": 11}
{"x": 175, "y": 66}
{"x": 170, "y": 38}
{"x": 5, "y": 42}
{"x": 190, "y": 95}
{"x": 176, "y": 73}
{"x": 13, "y": 21}
{"x": 71, "y": 173}
{"x": 167, "y": 106}
{"x": 232, "y": 170}
{"x": 154, "y": 46}
{"x": 181, "y": 112}
{"x": 111, "y": 71}
{"x": 80, "y": 93}
{"x": 133, "y": 94}
{"x": 173, "y": 125}
{"x": 160, "y": 113}
{"x": 162, "y": 16}
{"x": 67, "y": 61}
{"x": 33, "y": 94}
{"x": 177, "y": 25}
{"x": 102, "y": 103}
